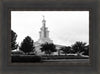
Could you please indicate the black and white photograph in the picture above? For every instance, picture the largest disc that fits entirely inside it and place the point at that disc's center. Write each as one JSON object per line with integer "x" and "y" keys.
{"x": 49, "y": 36}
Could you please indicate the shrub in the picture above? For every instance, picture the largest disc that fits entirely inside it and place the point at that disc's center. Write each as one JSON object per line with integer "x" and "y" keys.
{"x": 23, "y": 59}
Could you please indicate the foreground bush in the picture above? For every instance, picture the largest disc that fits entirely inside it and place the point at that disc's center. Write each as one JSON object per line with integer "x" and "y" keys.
{"x": 24, "y": 59}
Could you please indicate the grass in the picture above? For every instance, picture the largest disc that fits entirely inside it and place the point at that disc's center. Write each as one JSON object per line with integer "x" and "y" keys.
{"x": 63, "y": 57}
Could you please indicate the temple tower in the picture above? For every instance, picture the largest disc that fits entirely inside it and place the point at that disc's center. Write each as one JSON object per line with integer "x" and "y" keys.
{"x": 44, "y": 33}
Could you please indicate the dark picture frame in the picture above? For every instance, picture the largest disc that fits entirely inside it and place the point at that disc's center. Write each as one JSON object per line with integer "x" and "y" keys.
{"x": 6, "y": 6}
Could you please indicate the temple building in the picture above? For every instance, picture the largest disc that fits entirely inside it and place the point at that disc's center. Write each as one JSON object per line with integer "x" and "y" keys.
{"x": 44, "y": 33}
{"x": 43, "y": 37}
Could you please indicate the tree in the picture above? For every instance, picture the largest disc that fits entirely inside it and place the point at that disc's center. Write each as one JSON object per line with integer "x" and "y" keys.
{"x": 14, "y": 44}
{"x": 48, "y": 48}
{"x": 86, "y": 51}
{"x": 66, "y": 49}
{"x": 27, "y": 45}
{"x": 79, "y": 47}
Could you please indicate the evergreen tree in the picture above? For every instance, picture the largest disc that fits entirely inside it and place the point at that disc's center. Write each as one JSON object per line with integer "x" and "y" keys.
{"x": 27, "y": 45}
{"x": 14, "y": 44}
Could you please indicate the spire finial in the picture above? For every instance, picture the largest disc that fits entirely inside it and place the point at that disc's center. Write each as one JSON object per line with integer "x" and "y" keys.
{"x": 43, "y": 19}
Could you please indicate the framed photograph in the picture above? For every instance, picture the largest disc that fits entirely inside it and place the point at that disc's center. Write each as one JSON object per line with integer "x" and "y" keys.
{"x": 48, "y": 37}
{"x": 65, "y": 42}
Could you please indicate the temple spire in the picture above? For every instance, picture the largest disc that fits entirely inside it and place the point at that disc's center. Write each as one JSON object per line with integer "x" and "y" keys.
{"x": 44, "y": 33}
{"x": 44, "y": 21}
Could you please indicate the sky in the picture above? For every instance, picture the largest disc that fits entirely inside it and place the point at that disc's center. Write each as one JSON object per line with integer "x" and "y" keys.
{"x": 66, "y": 27}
